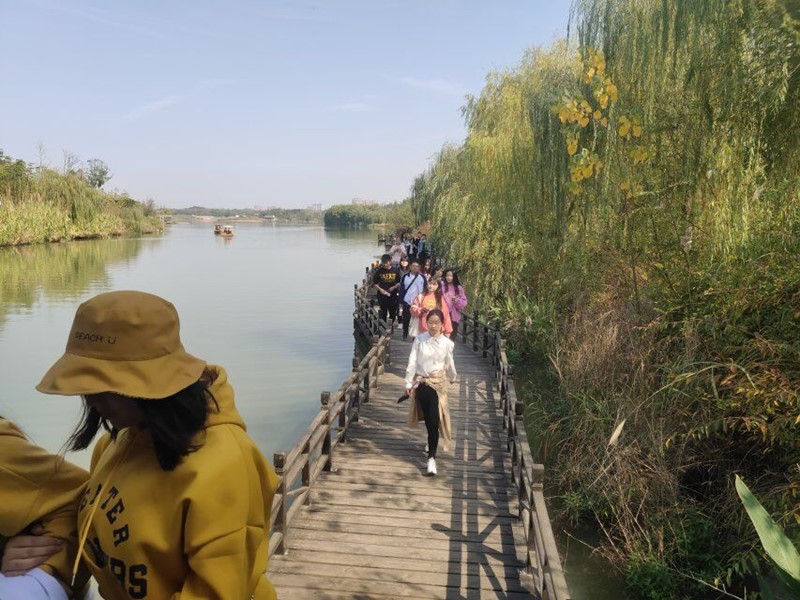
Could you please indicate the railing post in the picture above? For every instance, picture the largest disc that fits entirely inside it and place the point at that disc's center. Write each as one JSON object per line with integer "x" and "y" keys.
{"x": 519, "y": 429}
{"x": 373, "y": 370}
{"x": 485, "y": 340}
{"x": 475, "y": 332}
{"x": 307, "y": 472}
{"x": 356, "y": 394}
{"x": 324, "y": 400}
{"x": 279, "y": 462}
{"x": 367, "y": 384}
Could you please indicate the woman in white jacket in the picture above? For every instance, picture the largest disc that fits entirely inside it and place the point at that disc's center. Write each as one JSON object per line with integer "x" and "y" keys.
{"x": 430, "y": 369}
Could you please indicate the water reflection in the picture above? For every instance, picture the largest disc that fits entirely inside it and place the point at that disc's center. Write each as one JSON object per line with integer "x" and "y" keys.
{"x": 60, "y": 272}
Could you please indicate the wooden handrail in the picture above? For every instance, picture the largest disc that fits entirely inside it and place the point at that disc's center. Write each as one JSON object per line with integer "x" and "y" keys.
{"x": 314, "y": 451}
{"x": 543, "y": 560}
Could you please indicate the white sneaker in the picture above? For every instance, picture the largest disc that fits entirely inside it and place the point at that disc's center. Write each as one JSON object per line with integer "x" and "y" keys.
{"x": 431, "y": 466}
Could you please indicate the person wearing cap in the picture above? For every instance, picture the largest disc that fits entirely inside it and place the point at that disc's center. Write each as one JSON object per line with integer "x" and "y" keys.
{"x": 178, "y": 500}
{"x": 39, "y": 494}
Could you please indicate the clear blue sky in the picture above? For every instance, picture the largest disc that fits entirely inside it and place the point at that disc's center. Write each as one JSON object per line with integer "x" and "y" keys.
{"x": 255, "y": 103}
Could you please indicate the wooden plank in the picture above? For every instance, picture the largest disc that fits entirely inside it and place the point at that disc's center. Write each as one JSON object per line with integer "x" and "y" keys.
{"x": 492, "y": 536}
{"x": 481, "y": 523}
{"x": 416, "y": 468}
{"x": 434, "y": 518}
{"x": 504, "y": 578}
{"x": 500, "y": 547}
{"x": 450, "y": 480}
{"x": 288, "y": 592}
{"x": 473, "y": 491}
{"x": 465, "y": 552}
{"x": 362, "y": 590}
{"x": 473, "y": 507}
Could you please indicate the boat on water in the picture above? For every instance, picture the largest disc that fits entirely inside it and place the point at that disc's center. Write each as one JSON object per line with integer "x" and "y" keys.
{"x": 217, "y": 229}
{"x": 227, "y": 231}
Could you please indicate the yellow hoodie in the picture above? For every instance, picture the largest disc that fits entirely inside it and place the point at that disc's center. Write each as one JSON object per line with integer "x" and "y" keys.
{"x": 199, "y": 531}
{"x": 38, "y": 486}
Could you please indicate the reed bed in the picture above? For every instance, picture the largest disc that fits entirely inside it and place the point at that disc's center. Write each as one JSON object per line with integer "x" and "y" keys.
{"x": 51, "y": 207}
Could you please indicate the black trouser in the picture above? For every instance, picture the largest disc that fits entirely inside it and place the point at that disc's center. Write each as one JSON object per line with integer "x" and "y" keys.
{"x": 388, "y": 304}
{"x": 406, "y": 318}
{"x": 429, "y": 403}
{"x": 455, "y": 329}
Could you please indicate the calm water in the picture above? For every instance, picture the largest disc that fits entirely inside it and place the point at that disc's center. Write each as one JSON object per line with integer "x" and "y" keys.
{"x": 273, "y": 305}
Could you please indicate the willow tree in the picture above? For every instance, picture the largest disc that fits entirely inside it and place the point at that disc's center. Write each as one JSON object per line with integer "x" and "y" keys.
{"x": 639, "y": 186}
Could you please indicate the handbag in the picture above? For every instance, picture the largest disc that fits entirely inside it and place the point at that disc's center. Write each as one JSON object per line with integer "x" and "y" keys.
{"x": 413, "y": 327}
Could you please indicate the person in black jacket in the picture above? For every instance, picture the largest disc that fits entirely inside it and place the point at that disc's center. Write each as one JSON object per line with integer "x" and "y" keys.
{"x": 386, "y": 281}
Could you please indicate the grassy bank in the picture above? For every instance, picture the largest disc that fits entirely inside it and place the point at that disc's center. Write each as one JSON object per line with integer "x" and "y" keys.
{"x": 40, "y": 205}
{"x": 627, "y": 204}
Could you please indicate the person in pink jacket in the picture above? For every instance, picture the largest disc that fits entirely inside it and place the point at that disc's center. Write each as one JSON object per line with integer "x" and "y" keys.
{"x": 453, "y": 292}
{"x": 426, "y": 302}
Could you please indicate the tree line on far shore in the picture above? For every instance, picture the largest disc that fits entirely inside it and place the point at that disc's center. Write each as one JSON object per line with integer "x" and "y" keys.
{"x": 394, "y": 216}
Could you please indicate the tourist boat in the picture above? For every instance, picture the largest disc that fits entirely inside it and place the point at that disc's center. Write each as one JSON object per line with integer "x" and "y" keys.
{"x": 227, "y": 231}
{"x": 217, "y": 229}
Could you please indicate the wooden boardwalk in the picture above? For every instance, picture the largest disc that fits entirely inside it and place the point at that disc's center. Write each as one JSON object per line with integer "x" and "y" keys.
{"x": 377, "y": 527}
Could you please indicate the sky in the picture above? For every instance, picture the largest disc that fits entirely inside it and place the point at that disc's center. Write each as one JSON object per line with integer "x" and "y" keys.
{"x": 255, "y": 103}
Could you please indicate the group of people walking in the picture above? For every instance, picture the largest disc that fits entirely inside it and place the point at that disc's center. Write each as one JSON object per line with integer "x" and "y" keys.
{"x": 415, "y": 248}
{"x": 408, "y": 290}
{"x": 429, "y": 299}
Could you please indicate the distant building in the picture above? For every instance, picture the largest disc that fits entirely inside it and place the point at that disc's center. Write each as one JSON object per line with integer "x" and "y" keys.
{"x": 363, "y": 202}
{"x": 315, "y": 207}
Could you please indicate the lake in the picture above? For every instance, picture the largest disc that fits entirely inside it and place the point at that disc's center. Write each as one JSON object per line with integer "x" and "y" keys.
{"x": 273, "y": 305}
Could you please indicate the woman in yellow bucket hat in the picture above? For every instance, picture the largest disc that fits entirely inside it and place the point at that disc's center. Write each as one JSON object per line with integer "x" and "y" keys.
{"x": 179, "y": 497}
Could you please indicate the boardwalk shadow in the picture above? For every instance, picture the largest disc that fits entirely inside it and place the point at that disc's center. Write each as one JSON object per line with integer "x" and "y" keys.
{"x": 377, "y": 527}
{"x": 473, "y": 559}
{"x": 482, "y": 548}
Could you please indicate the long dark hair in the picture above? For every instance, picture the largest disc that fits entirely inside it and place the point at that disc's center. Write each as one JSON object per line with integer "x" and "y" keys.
{"x": 456, "y": 282}
{"x": 172, "y": 423}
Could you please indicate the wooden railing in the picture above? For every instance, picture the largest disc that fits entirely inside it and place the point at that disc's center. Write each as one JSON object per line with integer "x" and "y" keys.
{"x": 315, "y": 451}
{"x": 543, "y": 560}
{"x": 365, "y": 318}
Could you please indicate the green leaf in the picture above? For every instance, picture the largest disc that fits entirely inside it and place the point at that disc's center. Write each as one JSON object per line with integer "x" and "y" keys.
{"x": 763, "y": 587}
{"x": 778, "y": 546}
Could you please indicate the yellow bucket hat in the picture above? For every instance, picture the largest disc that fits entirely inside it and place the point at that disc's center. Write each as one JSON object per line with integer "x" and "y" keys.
{"x": 124, "y": 342}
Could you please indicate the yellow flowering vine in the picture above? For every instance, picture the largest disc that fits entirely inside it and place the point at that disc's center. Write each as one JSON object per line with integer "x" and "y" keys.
{"x": 577, "y": 114}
